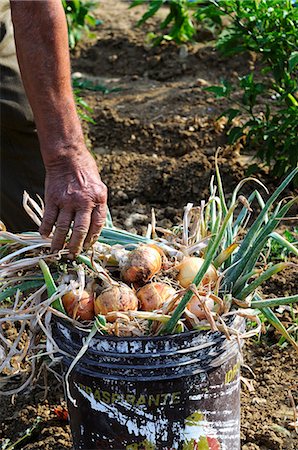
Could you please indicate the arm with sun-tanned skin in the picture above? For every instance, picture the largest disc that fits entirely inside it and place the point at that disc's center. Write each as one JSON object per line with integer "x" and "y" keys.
{"x": 73, "y": 188}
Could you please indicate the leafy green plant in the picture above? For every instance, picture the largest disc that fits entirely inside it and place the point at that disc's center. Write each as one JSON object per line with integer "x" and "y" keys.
{"x": 267, "y": 111}
{"x": 178, "y": 24}
{"x": 79, "y": 19}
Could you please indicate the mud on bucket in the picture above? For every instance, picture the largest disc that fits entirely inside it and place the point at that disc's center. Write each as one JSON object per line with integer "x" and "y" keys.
{"x": 171, "y": 392}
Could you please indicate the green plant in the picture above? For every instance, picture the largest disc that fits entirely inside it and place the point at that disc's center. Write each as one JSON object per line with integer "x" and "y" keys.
{"x": 267, "y": 111}
{"x": 241, "y": 278}
{"x": 25, "y": 438}
{"x": 84, "y": 110}
{"x": 278, "y": 251}
{"x": 285, "y": 314}
{"x": 179, "y": 23}
{"x": 83, "y": 83}
{"x": 79, "y": 19}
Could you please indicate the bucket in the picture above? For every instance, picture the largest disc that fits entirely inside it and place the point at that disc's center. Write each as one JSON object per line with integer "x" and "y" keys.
{"x": 145, "y": 393}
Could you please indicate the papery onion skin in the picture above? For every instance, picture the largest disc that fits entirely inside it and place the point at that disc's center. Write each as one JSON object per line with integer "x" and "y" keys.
{"x": 153, "y": 295}
{"x": 140, "y": 266}
{"x": 116, "y": 298}
{"x": 188, "y": 269}
{"x": 79, "y": 307}
{"x": 194, "y": 306}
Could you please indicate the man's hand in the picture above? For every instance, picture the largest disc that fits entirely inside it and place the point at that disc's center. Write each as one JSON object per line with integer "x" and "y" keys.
{"x": 74, "y": 193}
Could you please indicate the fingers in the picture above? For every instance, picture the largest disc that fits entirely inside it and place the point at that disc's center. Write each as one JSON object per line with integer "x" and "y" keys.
{"x": 87, "y": 226}
{"x": 80, "y": 231}
{"x": 97, "y": 222}
{"x": 62, "y": 226}
{"x": 48, "y": 221}
{"x": 88, "y": 221}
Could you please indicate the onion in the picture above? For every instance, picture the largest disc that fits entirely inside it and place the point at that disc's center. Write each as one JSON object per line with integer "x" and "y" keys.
{"x": 188, "y": 269}
{"x": 194, "y": 306}
{"x": 153, "y": 295}
{"x": 119, "y": 297}
{"x": 140, "y": 265}
{"x": 79, "y": 307}
{"x": 2, "y": 226}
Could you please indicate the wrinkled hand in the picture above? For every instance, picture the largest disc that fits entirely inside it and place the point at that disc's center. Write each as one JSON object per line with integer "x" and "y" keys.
{"x": 74, "y": 193}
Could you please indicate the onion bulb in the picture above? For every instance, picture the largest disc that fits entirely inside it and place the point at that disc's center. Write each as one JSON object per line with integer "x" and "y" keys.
{"x": 119, "y": 297}
{"x": 153, "y": 295}
{"x": 195, "y": 307}
{"x": 2, "y": 226}
{"x": 140, "y": 265}
{"x": 188, "y": 269}
{"x": 79, "y": 307}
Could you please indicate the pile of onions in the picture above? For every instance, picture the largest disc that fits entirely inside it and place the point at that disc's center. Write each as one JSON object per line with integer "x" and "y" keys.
{"x": 138, "y": 268}
{"x": 188, "y": 269}
{"x": 79, "y": 306}
{"x": 140, "y": 265}
{"x": 119, "y": 297}
{"x": 153, "y": 295}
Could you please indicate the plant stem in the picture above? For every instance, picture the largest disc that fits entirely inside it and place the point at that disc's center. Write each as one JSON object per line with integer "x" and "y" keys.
{"x": 170, "y": 326}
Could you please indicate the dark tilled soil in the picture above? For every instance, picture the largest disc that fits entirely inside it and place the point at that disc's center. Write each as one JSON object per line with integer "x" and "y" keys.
{"x": 267, "y": 412}
{"x": 155, "y": 141}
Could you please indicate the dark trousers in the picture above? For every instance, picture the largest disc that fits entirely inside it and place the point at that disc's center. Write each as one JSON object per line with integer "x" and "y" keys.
{"x": 22, "y": 168}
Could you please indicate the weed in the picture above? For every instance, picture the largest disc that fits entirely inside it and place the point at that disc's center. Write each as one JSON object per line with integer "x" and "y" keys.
{"x": 84, "y": 110}
{"x": 79, "y": 19}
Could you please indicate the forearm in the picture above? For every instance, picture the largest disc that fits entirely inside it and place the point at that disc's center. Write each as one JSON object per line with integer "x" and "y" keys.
{"x": 74, "y": 192}
{"x": 42, "y": 49}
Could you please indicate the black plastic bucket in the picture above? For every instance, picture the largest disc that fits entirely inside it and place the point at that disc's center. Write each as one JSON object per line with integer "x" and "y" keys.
{"x": 172, "y": 392}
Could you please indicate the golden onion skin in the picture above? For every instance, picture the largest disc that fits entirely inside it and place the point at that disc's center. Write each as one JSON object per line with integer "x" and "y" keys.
{"x": 79, "y": 307}
{"x": 116, "y": 298}
{"x": 194, "y": 306}
{"x": 140, "y": 266}
{"x": 188, "y": 269}
{"x": 153, "y": 295}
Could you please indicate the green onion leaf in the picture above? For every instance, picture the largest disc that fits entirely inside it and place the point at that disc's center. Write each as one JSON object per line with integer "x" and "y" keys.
{"x": 51, "y": 286}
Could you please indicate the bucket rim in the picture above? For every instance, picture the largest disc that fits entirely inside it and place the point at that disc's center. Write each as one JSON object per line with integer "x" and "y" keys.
{"x": 112, "y": 338}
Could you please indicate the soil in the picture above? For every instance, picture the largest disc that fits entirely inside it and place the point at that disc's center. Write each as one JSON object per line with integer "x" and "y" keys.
{"x": 155, "y": 139}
